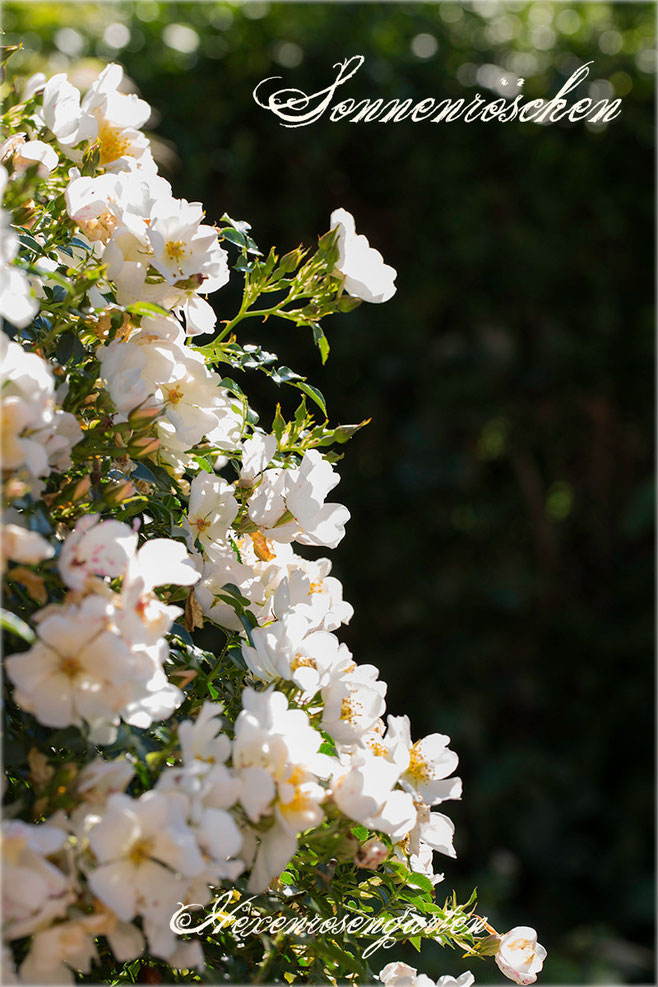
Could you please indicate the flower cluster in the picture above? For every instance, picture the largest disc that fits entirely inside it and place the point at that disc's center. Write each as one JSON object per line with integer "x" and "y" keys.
{"x": 37, "y": 436}
{"x": 135, "y": 477}
{"x": 99, "y": 656}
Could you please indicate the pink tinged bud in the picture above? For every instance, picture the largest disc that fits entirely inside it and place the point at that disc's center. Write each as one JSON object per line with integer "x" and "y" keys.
{"x": 145, "y": 446}
{"x": 81, "y": 489}
{"x": 144, "y": 415}
{"x": 371, "y": 854}
{"x": 116, "y": 493}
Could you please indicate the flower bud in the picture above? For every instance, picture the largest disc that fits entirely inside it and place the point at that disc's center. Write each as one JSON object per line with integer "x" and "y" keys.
{"x": 290, "y": 261}
{"x": 73, "y": 492}
{"x": 144, "y": 446}
{"x": 15, "y": 488}
{"x": 143, "y": 415}
{"x": 116, "y": 493}
{"x": 80, "y": 489}
{"x": 371, "y": 854}
{"x": 26, "y": 213}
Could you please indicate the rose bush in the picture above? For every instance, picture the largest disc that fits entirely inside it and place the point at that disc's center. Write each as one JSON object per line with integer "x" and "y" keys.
{"x": 142, "y": 499}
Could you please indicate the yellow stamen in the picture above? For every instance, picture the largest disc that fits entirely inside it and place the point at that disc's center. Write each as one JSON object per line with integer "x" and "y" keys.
{"x": 112, "y": 144}
{"x": 70, "y": 666}
{"x": 262, "y": 547}
{"x": 175, "y": 249}
{"x": 418, "y": 768}
{"x": 302, "y": 661}
{"x": 140, "y": 851}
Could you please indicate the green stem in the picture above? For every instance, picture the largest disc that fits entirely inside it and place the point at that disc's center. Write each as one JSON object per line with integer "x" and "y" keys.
{"x": 257, "y": 313}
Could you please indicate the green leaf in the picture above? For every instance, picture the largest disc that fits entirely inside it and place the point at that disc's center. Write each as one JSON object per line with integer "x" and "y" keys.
{"x": 234, "y": 236}
{"x": 320, "y": 341}
{"x": 28, "y": 241}
{"x": 284, "y": 375}
{"x": 313, "y": 393}
{"x": 340, "y": 956}
{"x": 180, "y": 631}
{"x": 14, "y": 625}
{"x": 231, "y": 385}
{"x": 203, "y": 463}
{"x": 421, "y": 881}
{"x": 146, "y": 308}
{"x": 69, "y": 348}
{"x": 231, "y": 589}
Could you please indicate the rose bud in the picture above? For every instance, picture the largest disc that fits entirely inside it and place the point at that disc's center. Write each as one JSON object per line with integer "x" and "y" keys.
{"x": 371, "y": 854}
{"x": 520, "y": 957}
{"x": 144, "y": 415}
{"x": 144, "y": 446}
{"x": 115, "y": 493}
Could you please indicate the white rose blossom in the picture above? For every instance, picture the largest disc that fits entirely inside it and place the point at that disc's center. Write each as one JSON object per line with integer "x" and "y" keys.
{"x": 68, "y": 947}
{"x": 211, "y": 510}
{"x": 276, "y": 755}
{"x": 520, "y": 957}
{"x": 36, "y": 436}
{"x": 399, "y": 974}
{"x": 34, "y": 890}
{"x": 430, "y": 763}
{"x": 37, "y": 153}
{"x": 300, "y": 493}
{"x": 18, "y": 544}
{"x": 140, "y": 847}
{"x": 366, "y": 275}
{"x": 153, "y": 367}
{"x": 101, "y": 659}
{"x": 291, "y": 649}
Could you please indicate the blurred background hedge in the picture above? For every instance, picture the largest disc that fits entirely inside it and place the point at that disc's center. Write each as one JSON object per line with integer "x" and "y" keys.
{"x": 500, "y": 552}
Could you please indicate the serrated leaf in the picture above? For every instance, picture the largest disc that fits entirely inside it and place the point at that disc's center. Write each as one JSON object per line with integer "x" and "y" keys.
{"x": 69, "y": 348}
{"x": 74, "y": 242}
{"x": 28, "y": 241}
{"x": 231, "y": 385}
{"x": 284, "y": 375}
{"x": 313, "y": 393}
{"x": 421, "y": 881}
{"x": 234, "y": 236}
